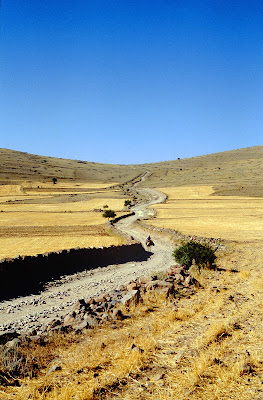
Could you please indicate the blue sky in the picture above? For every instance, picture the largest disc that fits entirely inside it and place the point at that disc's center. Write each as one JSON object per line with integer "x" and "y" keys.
{"x": 124, "y": 81}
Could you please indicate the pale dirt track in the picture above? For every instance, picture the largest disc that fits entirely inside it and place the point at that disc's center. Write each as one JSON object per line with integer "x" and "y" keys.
{"x": 32, "y": 312}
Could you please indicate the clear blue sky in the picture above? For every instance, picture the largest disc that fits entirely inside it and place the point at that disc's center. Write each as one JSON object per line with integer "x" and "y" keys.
{"x": 124, "y": 81}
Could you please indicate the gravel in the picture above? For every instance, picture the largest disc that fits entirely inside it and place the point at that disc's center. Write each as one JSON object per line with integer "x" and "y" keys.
{"x": 30, "y": 313}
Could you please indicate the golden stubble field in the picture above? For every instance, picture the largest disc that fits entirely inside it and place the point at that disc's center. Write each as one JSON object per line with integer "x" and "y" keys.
{"x": 41, "y": 217}
{"x": 194, "y": 210}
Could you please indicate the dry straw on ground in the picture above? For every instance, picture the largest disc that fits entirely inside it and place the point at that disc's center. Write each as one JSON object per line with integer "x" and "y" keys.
{"x": 194, "y": 211}
{"x": 208, "y": 346}
{"x": 40, "y": 226}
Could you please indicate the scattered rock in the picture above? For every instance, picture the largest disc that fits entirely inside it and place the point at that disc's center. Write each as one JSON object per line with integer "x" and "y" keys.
{"x": 190, "y": 280}
{"x": 178, "y": 278}
{"x": 80, "y": 306}
{"x": 131, "y": 297}
{"x": 117, "y": 314}
{"x": 144, "y": 280}
{"x": 54, "y": 323}
{"x": 101, "y": 300}
{"x": 106, "y": 317}
{"x": 7, "y": 336}
{"x": 132, "y": 286}
{"x": 12, "y": 344}
{"x": 133, "y": 347}
{"x": 91, "y": 322}
{"x": 69, "y": 318}
{"x": 164, "y": 286}
{"x": 175, "y": 269}
{"x": 54, "y": 368}
{"x": 81, "y": 326}
{"x": 91, "y": 312}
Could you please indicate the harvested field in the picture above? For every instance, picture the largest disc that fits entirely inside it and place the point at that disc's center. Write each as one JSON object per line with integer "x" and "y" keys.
{"x": 193, "y": 210}
{"x": 39, "y": 245}
{"x": 74, "y": 206}
{"x": 31, "y": 223}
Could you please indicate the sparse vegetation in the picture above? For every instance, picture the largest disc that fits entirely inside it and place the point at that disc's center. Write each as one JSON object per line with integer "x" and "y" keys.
{"x": 202, "y": 254}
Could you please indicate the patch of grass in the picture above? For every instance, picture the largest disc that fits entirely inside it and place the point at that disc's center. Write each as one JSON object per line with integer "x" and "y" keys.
{"x": 218, "y": 331}
{"x": 183, "y": 314}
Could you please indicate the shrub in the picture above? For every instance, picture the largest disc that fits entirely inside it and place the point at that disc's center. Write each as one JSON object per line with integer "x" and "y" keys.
{"x": 127, "y": 203}
{"x": 109, "y": 214}
{"x": 203, "y": 254}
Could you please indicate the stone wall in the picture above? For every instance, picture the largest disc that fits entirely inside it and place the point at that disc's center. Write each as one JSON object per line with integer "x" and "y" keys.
{"x": 26, "y": 275}
{"x": 216, "y": 243}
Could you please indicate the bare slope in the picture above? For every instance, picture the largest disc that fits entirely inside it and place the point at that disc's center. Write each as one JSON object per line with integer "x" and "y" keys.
{"x": 17, "y": 167}
{"x": 236, "y": 173}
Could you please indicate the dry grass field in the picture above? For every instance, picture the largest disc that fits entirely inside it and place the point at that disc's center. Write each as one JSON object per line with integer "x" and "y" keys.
{"x": 194, "y": 210}
{"x": 33, "y": 223}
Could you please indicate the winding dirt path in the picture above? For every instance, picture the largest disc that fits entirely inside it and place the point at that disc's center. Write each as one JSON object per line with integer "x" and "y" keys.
{"x": 34, "y": 311}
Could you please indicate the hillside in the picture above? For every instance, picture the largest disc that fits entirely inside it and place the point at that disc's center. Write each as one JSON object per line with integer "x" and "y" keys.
{"x": 236, "y": 172}
{"x": 17, "y": 167}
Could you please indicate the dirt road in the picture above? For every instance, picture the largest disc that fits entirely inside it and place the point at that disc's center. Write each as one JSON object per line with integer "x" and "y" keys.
{"x": 32, "y": 312}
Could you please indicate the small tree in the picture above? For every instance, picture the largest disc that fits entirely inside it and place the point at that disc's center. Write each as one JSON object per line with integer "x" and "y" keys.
{"x": 105, "y": 206}
{"x": 203, "y": 254}
{"x": 54, "y": 180}
{"x": 109, "y": 214}
{"x": 127, "y": 203}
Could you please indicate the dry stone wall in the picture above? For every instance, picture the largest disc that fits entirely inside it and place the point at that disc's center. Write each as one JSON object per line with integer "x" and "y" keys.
{"x": 26, "y": 275}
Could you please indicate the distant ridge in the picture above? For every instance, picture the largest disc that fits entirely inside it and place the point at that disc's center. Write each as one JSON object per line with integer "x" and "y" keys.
{"x": 235, "y": 172}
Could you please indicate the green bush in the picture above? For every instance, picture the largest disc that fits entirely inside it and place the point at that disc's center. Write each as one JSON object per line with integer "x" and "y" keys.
{"x": 203, "y": 254}
{"x": 109, "y": 214}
